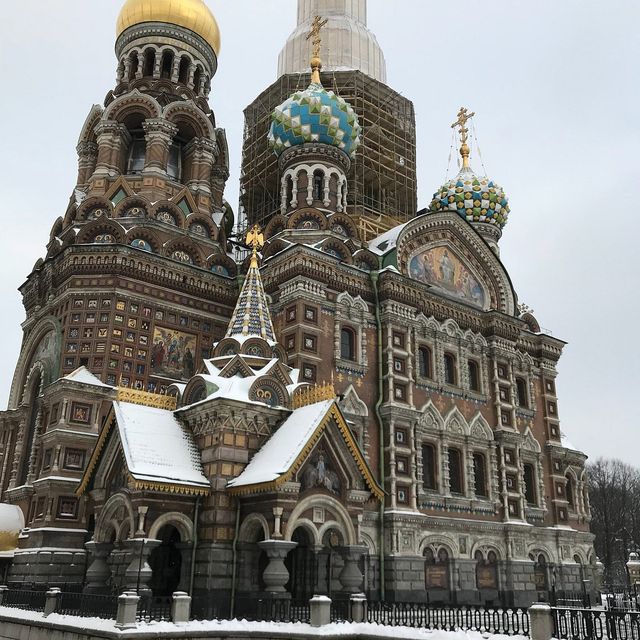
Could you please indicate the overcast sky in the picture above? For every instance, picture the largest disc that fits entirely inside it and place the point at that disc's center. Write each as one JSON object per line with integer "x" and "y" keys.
{"x": 555, "y": 87}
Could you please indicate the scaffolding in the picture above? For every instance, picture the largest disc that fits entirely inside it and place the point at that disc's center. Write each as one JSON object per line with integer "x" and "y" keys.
{"x": 382, "y": 180}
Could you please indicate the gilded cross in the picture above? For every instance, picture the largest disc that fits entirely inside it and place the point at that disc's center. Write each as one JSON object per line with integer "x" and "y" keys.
{"x": 316, "y": 28}
{"x": 463, "y": 117}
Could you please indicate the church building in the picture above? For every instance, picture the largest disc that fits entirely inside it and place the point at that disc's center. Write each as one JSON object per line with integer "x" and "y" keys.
{"x": 354, "y": 401}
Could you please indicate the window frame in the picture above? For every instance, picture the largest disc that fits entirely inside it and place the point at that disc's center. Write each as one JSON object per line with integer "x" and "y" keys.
{"x": 460, "y": 484}
{"x": 346, "y": 330}
{"x": 450, "y": 357}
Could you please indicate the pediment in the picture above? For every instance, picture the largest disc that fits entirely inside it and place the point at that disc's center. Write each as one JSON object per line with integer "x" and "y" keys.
{"x": 446, "y": 253}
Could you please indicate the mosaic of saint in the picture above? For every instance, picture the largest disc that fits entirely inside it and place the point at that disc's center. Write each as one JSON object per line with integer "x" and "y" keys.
{"x": 173, "y": 354}
{"x": 440, "y": 267}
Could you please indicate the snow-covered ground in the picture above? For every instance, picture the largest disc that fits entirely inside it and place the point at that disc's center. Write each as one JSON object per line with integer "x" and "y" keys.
{"x": 87, "y": 625}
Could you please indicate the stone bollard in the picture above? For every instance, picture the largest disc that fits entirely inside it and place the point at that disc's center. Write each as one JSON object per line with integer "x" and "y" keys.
{"x": 541, "y": 622}
{"x": 51, "y": 601}
{"x": 3, "y": 594}
{"x": 180, "y": 607}
{"x": 127, "y": 610}
{"x": 358, "y": 602}
{"x": 320, "y": 611}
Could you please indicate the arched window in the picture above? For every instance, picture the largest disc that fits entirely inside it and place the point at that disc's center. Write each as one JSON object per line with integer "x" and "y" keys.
{"x": 456, "y": 483}
{"x": 183, "y": 73}
{"x": 425, "y": 362}
{"x": 167, "y": 65}
{"x": 521, "y": 387}
{"x": 474, "y": 375}
{"x": 149, "y": 63}
{"x": 450, "y": 369}
{"x": 429, "y": 467}
{"x": 347, "y": 344}
{"x": 134, "y": 64}
{"x": 318, "y": 185}
{"x": 174, "y": 164}
{"x": 137, "y": 151}
{"x": 480, "y": 473}
{"x": 570, "y": 493}
{"x": 197, "y": 79}
{"x": 289, "y": 192}
{"x": 529, "y": 484}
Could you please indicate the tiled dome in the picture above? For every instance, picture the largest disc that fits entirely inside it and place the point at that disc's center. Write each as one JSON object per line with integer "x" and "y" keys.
{"x": 475, "y": 199}
{"x": 315, "y": 115}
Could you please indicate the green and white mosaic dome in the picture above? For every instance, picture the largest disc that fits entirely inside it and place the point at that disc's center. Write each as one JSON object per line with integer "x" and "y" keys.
{"x": 315, "y": 115}
{"x": 475, "y": 199}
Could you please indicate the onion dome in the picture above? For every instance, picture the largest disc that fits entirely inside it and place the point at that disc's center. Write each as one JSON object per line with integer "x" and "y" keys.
{"x": 190, "y": 14}
{"x": 474, "y": 198}
{"x": 315, "y": 115}
{"x": 11, "y": 522}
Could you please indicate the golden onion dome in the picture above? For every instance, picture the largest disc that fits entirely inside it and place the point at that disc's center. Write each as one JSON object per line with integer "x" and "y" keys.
{"x": 190, "y": 14}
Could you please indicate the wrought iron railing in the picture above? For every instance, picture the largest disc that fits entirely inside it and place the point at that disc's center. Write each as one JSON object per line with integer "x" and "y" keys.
{"x": 595, "y": 624}
{"x": 154, "y": 609}
{"x": 88, "y": 605}
{"x": 27, "y": 599}
{"x": 514, "y": 621}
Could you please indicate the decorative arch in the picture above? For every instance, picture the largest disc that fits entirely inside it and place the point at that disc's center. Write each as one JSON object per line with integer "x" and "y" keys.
{"x": 145, "y": 234}
{"x": 269, "y": 391}
{"x": 530, "y": 443}
{"x": 455, "y": 423}
{"x": 132, "y": 207}
{"x": 479, "y": 428}
{"x": 254, "y": 522}
{"x": 166, "y": 208}
{"x": 343, "y": 221}
{"x": 188, "y": 111}
{"x": 437, "y": 542}
{"x": 337, "y": 249}
{"x": 352, "y": 404}
{"x": 487, "y": 545}
{"x": 211, "y": 231}
{"x": 277, "y": 224}
{"x": 94, "y": 208}
{"x": 107, "y": 518}
{"x": 222, "y": 265}
{"x": 186, "y": 246}
{"x": 106, "y": 227}
{"x": 56, "y": 229}
{"x": 340, "y": 515}
{"x": 133, "y": 102}
{"x": 308, "y": 219}
{"x": 87, "y": 133}
{"x": 431, "y": 418}
{"x": 181, "y": 522}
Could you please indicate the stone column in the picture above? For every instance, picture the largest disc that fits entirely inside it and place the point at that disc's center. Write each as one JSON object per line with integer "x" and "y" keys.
{"x": 158, "y": 133}
{"x": 113, "y": 139}
{"x": 87, "y": 159}
{"x": 138, "y": 573}
{"x": 98, "y": 573}
{"x": 276, "y": 575}
{"x": 351, "y": 577}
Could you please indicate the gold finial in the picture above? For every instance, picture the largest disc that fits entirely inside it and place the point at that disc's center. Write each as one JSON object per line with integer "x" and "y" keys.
{"x": 463, "y": 117}
{"x": 255, "y": 239}
{"x": 316, "y": 62}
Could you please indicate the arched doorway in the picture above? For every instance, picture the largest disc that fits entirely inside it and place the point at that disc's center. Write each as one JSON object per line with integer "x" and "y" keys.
{"x": 330, "y": 564}
{"x": 301, "y": 564}
{"x": 166, "y": 563}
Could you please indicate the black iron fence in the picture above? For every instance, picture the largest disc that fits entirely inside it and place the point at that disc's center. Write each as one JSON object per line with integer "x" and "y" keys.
{"x": 512, "y": 621}
{"x": 594, "y": 624}
{"x": 154, "y": 609}
{"x": 26, "y": 599}
{"x": 87, "y": 605}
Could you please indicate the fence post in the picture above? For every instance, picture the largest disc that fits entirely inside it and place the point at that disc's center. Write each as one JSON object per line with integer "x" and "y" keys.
{"x": 3, "y": 594}
{"x": 180, "y": 607}
{"x": 358, "y": 600}
{"x": 320, "y": 611}
{"x": 127, "y": 610}
{"x": 51, "y": 601}
{"x": 541, "y": 622}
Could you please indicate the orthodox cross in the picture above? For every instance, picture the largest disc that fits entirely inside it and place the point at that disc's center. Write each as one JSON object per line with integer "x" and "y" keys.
{"x": 316, "y": 28}
{"x": 463, "y": 117}
{"x": 255, "y": 240}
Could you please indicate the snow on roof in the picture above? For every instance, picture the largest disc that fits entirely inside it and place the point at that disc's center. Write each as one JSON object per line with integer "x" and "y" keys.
{"x": 285, "y": 445}
{"x": 387, "y": 241}
{"x": 84, "y": 376}
{"x": 157, "y": 447}
{"x": 566, "y": 443}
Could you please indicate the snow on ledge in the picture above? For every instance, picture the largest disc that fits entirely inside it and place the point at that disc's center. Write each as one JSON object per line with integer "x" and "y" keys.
{"x": 293, "y": 630}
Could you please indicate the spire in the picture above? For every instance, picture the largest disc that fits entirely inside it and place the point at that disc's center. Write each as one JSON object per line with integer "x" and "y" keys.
{"x": 463, "y": 117}
{"x": 347, "y": 42}
{"x": 251, "y": 317}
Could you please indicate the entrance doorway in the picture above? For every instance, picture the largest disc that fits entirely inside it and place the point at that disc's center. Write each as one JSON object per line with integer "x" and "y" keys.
{"x": 166, "y": 563}
{"x": 301, "y": 564}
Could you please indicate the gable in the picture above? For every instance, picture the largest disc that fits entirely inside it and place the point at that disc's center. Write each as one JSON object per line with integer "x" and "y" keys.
{"x": 295, "y": 443}
{"x": 445, "y": 252}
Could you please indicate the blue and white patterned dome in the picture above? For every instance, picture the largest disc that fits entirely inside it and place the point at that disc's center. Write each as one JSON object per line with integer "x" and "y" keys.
{"x": 475, "y": 199}
{"x": 315, "y": 115}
